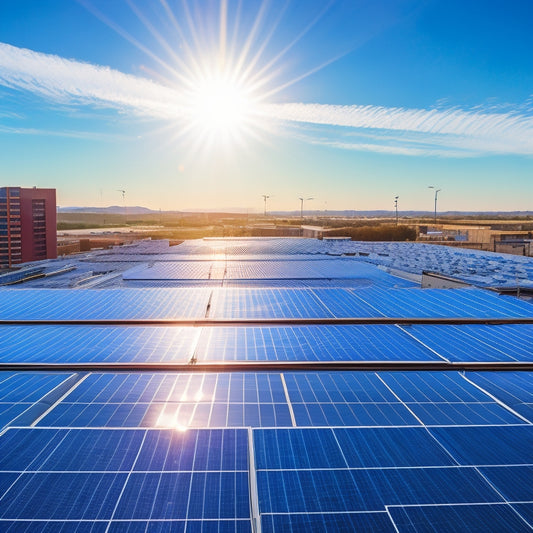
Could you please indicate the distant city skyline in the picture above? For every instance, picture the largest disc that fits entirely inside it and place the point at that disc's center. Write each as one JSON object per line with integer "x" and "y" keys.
{"x": 215, "y": 104}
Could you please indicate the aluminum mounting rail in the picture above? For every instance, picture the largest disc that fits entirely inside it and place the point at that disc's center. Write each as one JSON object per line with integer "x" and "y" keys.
{"x": 213, "y": 322}
{"x": 270, "y": 366}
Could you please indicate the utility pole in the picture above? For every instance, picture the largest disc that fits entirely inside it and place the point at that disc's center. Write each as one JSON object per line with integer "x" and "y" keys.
{"x": 436, "y": 196}
{"x": 123, "y": 192}
{"x": 396, "y": 207}
{"x": 302, "y": 205}
{"x": 265, "y": 198}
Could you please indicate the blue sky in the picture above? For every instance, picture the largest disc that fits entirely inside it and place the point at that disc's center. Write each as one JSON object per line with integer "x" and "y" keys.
{"x": 351, "y": 102}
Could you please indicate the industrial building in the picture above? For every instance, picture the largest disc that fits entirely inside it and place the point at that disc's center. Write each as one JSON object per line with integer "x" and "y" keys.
{"x": 27, "y": 225}
{"x": 267, "y": 385}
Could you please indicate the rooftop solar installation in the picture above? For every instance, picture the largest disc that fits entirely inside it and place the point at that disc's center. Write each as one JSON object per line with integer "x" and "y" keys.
{"x": 270, "y": 403}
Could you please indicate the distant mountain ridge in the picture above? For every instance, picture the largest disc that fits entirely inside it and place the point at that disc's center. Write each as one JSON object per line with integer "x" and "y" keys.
{"x": 346, "y": 213}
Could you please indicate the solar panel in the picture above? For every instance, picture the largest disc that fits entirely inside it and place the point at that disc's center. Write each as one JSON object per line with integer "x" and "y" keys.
{"x": 378, "y": 522}
{"x": 68, "y": 304}
{"x": 334, "y": 491}
{"x": 504, "y": 342}
{"x": 126, "y": 475}
{"x": 173, "y": 400}
{"x": 21, "y": 392}
{"x": 311, "y": 343}
{"x": 267, "y": 303}
{"x": 456, "y": 518}
{"x": 77, "y": 344}
{"x": 444, "y": 303}
{"x": 512, "y": 388}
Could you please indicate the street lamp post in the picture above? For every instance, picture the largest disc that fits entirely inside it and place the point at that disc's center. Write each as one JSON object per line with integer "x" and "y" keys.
{"x": 302, "y": 205}
{"x": 396, "y": 207}
{"x": 436, "y": 196}
{"x": 265, "y": 198}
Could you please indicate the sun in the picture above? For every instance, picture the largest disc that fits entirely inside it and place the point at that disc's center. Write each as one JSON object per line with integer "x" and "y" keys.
{"x": 220, "y": 108}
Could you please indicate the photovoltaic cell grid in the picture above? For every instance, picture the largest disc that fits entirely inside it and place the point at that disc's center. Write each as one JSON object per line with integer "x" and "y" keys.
{"x": 419, "y": 478}
{"x": 443, "y": 303}
{"x": 391, "y": 399}
{"x": 79, "y": 344}
{"x": 311, "y": 343}
{"x": 126, "y": 475}
{"x": 512, "y": 388}
{"x": 278, "y": 400}
{"x": 504, "y": 342}
{"x": 68, "y": 304}
{"x": 20, "y": 391}
{"x": 174, "y": 400}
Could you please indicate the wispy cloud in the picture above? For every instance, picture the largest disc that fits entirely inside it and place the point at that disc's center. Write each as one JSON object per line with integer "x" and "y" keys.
{"x": 69, "y": 81}
{"x": 443, "y": 132}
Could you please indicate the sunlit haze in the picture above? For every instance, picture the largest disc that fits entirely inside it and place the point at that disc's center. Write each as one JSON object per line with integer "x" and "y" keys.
{"x": 210, "y": 105}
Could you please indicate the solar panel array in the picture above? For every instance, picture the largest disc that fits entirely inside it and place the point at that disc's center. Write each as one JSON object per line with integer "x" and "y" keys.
{"x": 181, "y": 427}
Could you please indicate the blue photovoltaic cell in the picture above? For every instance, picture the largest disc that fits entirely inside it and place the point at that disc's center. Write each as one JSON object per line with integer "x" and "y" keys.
{"x": 27, "y": 387}
{"x": 145, "y": 474}
{"x": 347, "y": 448}
{"x": 515, "y": 389}
{"x": 457, "y": 518}
{"x": 267, "y": 303}
{"x": 19, "y": 391}
{"x": 444, "y": 303}
{"x": 353, "y": 414}
{"x": 182, "y": 526}
{"x": 311, "y": 343}
{"x": 525, "y": 510}
{"x": 478, "y": 342}
{"x": 185, "y": 495}
{"x": 170, "y": 450}
{"x": 318, "y": 523}
{"x": 343, "y": 303}
{"x": 170, "y": 270}
{"x": 514, "y": 482}
{"x": 297, "y": 448}
{"x": 492, "y": 445}
{"x": 6, "y": 480}
{"x": 59, "y": 450}
{"x": 75, "y": 496}
{"x": 179, "y": 415}
{"x": 35, "y": 526}
{"x": 337, "y": 387}
{"x": 9, "y": 412}
{"x": 446, "y": 398}
{"x": 324, "y": 491}
{"x": 390, "y": 447}
{"x": 79, "y": 344}
{"x": 433, "y": 387}
{"x": 463, "y": 414}
{"x": 173, "y": 400}
{"x": 68, "y": 304}
{"x": 345, "y": 399}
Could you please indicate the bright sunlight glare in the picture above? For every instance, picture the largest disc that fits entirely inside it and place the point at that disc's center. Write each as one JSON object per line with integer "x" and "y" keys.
{"x": 219, "y": 108}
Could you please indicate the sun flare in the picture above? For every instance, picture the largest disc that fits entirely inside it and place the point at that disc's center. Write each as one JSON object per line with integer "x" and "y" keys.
{"x": 220, "y": 108}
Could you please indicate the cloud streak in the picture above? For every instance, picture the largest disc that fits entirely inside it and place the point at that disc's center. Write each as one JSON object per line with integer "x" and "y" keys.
{"x": 415, "y": 132}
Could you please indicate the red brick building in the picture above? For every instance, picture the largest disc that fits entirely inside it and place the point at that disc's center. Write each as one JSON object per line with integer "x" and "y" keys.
{"x": 27, "y": 225}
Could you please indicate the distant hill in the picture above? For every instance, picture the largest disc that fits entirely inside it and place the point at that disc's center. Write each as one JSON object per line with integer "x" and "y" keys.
{"x": 346, "y": 213}
{"x": 110, "y": 210}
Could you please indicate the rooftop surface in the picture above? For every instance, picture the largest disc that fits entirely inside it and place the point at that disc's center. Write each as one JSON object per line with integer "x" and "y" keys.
{"x": 267, "y": 385}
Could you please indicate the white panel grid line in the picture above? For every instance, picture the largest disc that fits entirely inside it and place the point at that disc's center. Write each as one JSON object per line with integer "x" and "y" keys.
{"x": 126, "y": 481}
{"x": 289, "y": 403}
{"x": 497, "y": 400}
{"x": 421, "y": 343}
